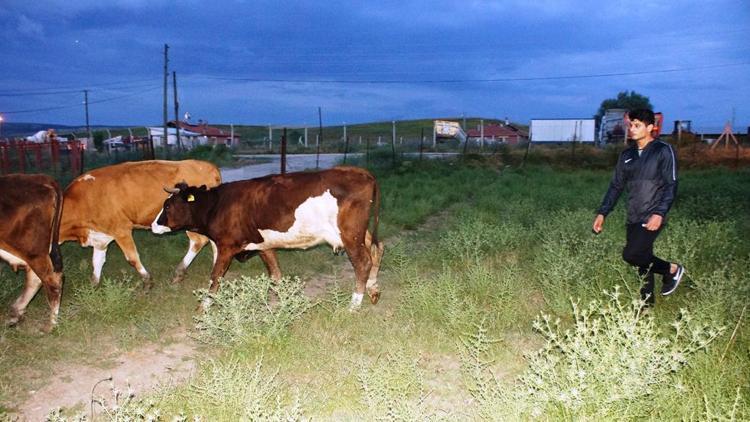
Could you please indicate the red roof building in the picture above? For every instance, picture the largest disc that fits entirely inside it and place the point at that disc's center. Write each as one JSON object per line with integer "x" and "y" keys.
{"x": 214, "y": 135}
{"x": 497, "y": 132}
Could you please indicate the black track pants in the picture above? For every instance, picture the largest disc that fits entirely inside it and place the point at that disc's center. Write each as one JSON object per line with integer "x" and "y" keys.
{"x": 639, "y": 252}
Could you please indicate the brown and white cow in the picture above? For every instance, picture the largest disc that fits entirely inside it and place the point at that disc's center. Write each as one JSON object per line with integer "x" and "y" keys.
{"x": 296, "y": 210}
{"x": 30, "y": 210}
{"x": 107, "y": 203}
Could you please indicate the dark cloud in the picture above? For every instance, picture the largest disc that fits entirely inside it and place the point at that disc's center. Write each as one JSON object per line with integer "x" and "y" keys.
{"x": 276, "y": 62}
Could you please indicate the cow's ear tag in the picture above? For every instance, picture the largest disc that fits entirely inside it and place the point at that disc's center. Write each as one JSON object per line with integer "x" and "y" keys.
{"x": 191, "y": 198}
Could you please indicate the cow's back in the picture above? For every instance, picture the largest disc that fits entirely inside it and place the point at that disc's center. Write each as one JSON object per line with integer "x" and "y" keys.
{"x": 271, "y": 201}
{"x": 27, "y": 211}
{"x": 126, "y": 195}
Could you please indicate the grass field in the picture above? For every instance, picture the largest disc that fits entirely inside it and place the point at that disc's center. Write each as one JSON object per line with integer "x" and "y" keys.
{"x": 498, "y": 303}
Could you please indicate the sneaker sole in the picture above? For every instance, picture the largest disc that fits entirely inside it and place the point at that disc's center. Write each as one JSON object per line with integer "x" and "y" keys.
{"x": 677, "y": 278}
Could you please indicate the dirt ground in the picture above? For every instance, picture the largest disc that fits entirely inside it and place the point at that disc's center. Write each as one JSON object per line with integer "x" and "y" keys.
{"x": 142, "y": 369}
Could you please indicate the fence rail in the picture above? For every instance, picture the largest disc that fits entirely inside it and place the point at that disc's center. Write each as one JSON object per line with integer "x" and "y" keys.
{"x": 45, "y": 157}
{"x": 63, "y": 159}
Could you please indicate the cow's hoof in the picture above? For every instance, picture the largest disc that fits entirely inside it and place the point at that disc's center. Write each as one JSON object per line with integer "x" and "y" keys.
{"x": 374, "y": 297}
{"x": 48, "y": 327}
{"x": 12, "y": 321}
{"x": 148, "y": 284}
{"x": 94, "y": 281}
{"x": 204, "y": 305}
{"x": 179, "y": 276}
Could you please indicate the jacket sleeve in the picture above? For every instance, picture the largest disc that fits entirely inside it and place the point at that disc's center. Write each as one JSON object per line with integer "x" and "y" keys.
{"x": 616, "y": 187}
{"x": 668, "y": 175}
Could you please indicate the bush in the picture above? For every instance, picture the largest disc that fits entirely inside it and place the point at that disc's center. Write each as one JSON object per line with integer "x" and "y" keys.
{"x": 234, "y": 390}
{"x": 392, "y": 389}
{"x": 219, "y": 154}
{"x": 110, "y": 301}
{"x": 601, "y": 368}
{"x": 242, "y": 309}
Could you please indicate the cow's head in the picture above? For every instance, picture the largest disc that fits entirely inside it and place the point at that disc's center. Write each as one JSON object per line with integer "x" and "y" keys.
{"x": 181, "y": 210}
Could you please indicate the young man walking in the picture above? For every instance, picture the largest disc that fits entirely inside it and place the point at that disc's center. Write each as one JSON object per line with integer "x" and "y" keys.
{"x": 648, "y": 170}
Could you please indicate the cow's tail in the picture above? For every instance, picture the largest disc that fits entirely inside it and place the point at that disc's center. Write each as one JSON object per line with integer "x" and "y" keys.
{"x": 376, "y": 248}
{"x": 375, "y": 212}
{"x": 54, "y": 254}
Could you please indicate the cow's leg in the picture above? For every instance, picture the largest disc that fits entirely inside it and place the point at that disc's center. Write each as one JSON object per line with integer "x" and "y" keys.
{"x": 99, "y": 241}
{"x": 376, "y": 255}
{"x": 221, "y": 265}
{"x": 29, "y": 290}
{"x": 215, "y": 250}
{"x": 127, "y": 245}
{"x": 197, "y": 242}
{"x": 359, "y": 255}
{"x": 272, "y": 263}
{"x": 52, "y": 282}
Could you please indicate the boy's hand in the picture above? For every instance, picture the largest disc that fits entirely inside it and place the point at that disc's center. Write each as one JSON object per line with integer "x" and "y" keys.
{"x": 654, "y": 222}
{"x": 598, "y": 223}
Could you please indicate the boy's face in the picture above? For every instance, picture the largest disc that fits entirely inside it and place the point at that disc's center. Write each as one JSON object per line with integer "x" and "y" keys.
{"x": 639, "y": 130}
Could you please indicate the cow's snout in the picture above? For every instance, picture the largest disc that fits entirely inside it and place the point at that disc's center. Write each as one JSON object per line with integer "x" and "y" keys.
{"x": 158, "y": 226}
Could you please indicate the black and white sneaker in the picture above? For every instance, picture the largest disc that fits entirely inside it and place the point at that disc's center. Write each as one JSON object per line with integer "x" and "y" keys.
{"x": 672, "y": 281}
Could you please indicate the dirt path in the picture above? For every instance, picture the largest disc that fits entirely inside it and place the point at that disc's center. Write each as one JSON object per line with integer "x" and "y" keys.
{"x": 143, "y": 369}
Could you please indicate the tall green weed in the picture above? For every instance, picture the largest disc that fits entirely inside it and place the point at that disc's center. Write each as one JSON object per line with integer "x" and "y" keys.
{"x": 242, "y": 309}
{"x": 600, "y": 368}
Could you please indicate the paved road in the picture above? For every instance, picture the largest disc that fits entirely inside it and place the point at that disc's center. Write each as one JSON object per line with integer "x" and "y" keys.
{"x": 294, "y": 162}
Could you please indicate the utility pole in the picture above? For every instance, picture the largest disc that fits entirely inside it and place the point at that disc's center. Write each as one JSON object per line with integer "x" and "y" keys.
{"x": 393, "y": 142}
{"x": 86, "y": 105}
{"x": 176, "y": 110}
{"x": 320, "y": 138}
{"x": 164, "y": 140}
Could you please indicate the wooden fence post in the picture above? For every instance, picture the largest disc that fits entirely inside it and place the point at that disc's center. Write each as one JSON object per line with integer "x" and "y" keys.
{"x": 21, "y": 156}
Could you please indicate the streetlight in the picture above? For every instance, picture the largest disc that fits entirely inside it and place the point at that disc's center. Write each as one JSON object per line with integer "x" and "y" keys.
{"x": 1, "y": 126}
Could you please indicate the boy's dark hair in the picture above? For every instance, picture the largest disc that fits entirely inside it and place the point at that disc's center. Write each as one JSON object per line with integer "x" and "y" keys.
{"x": 643, "y": 114}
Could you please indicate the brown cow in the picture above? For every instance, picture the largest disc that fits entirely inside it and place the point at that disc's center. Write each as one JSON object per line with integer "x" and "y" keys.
{"x": 296, "y": 210}
{"x": 107, "y": 203}
{"x": 30, "y": 210}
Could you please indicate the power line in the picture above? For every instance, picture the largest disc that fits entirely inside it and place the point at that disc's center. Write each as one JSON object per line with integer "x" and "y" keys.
{"x": 136, "y": 83}
{"x": 105, "y": 100}
{"x": 456, "y": 81}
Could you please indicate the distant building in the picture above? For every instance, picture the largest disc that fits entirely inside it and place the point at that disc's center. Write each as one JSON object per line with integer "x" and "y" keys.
{"x": 562, "y": 130}
{"x": 210, "y": 135}
{"x": 188, "y": 138}
{"x": 495, "y": 132}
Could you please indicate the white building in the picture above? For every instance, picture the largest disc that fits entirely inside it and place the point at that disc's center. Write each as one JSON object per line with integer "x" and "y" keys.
{"x": 562, "y": 130}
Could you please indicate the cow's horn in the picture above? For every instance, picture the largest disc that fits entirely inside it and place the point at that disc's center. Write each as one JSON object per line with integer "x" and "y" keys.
{"x": 171, "y": 190}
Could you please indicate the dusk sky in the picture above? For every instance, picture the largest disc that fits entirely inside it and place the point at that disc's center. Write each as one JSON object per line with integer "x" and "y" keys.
{"x": 275, "y": 62}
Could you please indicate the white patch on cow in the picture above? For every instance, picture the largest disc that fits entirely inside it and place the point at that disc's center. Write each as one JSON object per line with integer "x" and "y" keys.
{"x": 158, "y": 228}
{"x": 356, "y": 301}
{"x": 100, "y": 256}
{"x": 86, "y": 177}
{"x": 13, "y": 260}
{"x": 98, "y": 240}
{"x": 371, "y": 281}
{"x": 315, "y": 222}
{"x": 190, "y": 255}
{"x": 215, "y": 250}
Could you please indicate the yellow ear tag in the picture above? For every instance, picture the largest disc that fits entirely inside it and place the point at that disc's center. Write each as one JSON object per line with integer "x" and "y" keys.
{"x": 191, "y": 198}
